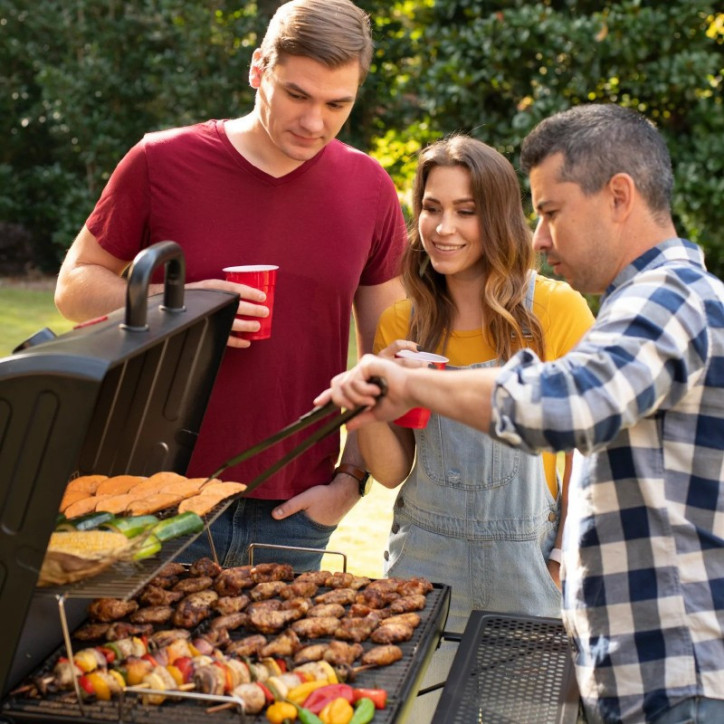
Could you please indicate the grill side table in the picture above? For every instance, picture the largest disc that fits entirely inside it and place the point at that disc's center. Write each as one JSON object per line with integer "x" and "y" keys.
{"x": 510, "y": 668}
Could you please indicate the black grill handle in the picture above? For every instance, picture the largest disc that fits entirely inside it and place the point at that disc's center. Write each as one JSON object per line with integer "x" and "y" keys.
{"x": 139, "y": 277}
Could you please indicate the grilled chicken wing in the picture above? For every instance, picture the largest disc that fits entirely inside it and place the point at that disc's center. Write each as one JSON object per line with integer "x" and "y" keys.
{"x": 340, "y": 653}
{"x": 286, "y": 644}
{"x": 110, "y": 609}
{"x": 315, "y": 628}
{"x": 248, "y": 646}
{"x": 382, "y": 655}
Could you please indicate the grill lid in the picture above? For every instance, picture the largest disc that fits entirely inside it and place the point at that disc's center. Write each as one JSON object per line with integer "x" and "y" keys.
{"x": 124, "y": 394}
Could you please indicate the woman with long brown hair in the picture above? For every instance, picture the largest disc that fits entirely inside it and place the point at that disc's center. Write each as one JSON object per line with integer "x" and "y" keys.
{"x": 472, "y": 512}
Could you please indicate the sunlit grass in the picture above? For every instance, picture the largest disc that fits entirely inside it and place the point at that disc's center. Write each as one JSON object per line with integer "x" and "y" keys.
{"x": 23, "y": 312}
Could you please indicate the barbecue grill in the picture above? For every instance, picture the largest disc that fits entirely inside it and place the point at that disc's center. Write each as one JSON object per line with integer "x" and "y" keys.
{"x": 124, "y": 394}
{"x": 510, "y": 670}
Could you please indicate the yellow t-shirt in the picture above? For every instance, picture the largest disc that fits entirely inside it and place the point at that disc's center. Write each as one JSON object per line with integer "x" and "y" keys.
{"x": 562, "y": 312}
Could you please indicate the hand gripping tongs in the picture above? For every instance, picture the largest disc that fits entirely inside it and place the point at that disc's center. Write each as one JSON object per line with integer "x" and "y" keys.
{"x": 309, "y": 418}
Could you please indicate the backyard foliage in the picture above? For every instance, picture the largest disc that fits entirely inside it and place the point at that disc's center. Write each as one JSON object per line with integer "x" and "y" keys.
{"x": 81, "y": 81}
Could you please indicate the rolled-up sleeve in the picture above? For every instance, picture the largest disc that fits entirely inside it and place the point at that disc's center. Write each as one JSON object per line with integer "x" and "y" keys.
{"x": 647, "y": 348}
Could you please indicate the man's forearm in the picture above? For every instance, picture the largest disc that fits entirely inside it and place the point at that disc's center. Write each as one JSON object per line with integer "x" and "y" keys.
{"x": 464, "y": 395}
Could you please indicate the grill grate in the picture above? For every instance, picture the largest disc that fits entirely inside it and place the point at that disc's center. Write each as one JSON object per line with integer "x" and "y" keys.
{"x": 510, "y": 670}
{"x": 401, "y": 681}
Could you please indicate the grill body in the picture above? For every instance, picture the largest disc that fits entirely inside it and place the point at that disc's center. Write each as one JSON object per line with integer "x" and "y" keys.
{"x": 125, "y": 394}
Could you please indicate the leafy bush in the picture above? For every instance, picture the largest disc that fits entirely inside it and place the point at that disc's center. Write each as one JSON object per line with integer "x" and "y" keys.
{"x": 82, "y": 81}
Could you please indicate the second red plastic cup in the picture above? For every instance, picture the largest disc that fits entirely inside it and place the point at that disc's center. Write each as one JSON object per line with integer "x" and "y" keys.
{"x": 418, "y": 417}
{"x": 259, "y": 276}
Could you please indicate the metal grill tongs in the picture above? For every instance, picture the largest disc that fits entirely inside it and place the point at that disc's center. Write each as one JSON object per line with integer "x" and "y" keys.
{"x": 306, "y": 420}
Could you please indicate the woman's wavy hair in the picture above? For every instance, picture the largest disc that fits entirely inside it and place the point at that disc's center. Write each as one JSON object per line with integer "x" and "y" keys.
{"x": 508, "y": 254}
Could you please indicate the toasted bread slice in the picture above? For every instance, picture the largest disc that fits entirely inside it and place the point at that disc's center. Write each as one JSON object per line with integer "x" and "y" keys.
{"x": 86, "y": 505}
{"x": 152, "y": 503}
{"x": 155, "y": 483}
{"x": 72, "y": 496}
{"x": 86, "y": 483}
{"x": 118, "y": 484}
{"x": 115, "y": 503}
{"x": 186, "y": 487}
{"x": 200, "y": 504}
{"x": 225, "y": 489}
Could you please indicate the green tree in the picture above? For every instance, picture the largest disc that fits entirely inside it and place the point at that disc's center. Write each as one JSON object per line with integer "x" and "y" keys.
{"x": 495, "y": 69}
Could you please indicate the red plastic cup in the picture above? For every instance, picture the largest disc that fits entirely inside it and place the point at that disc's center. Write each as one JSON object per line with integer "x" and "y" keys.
{"x": 259, "y": 276}
{"x": 418, "y": 417}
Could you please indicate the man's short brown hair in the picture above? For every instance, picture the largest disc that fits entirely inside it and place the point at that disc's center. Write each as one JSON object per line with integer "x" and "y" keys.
{"x": 332, "y": 32}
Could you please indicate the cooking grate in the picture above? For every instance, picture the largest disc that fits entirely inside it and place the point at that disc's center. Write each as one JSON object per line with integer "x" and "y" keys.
{"x": 510, "y": 670}
{"x": 401, "y": 681}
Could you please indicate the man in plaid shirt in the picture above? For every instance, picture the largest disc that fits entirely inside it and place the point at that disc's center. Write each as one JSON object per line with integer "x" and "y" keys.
{"x": 642, "y": 396}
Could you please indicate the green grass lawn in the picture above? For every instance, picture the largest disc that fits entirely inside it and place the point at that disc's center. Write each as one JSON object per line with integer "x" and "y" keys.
{"x": 24, "y": 312}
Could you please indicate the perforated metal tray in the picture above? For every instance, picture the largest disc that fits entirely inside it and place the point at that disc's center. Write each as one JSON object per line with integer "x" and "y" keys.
{"x": 510, "y": 670}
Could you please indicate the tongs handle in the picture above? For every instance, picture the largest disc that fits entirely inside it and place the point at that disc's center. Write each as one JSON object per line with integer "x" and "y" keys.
{"x": 303, "y": 422}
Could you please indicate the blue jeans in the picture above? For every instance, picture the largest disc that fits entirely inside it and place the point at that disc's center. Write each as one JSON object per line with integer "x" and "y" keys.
{"x": 250, "y": 521}
{"x": 696, "y": 710}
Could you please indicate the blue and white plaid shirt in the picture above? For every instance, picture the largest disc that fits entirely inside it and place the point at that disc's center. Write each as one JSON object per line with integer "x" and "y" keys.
{"x": 642, "y": 396}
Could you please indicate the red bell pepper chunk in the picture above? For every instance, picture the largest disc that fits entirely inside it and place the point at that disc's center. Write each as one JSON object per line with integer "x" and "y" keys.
{"x": 150, "y": 659}
{"x": 378, "y": 696}
{"x": 282, "y": 665}
{"x": 108, "y": 653}
{"x": 186, "y": 666}
{"x": 267, "y": 692}
{"x": 319, "y": 698}
{"x": 86, "y": 685}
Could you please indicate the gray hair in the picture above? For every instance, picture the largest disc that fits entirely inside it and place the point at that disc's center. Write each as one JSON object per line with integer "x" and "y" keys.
{"x": 597, "y": 142}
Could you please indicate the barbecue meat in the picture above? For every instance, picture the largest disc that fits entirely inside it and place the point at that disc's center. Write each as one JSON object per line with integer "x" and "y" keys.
{"x": 265, "y": 590}
{"x": 157, "y": 596}
{"x": 123, "y": 629}
{"x": 168, "y": 575}
{"x": 411, "y": 619}
{"x": 231, "y": 604}
{"x": 315, "y": 652}
{"x": 392, "y": 633}
{"x": 230, "y": 621}
{"x": 303, "y": 605}
{"x": 382, "y": 655}
{"x": 299, "y": 589}
{"x": 376, "y": 597}
{"x": 413, "y": 602}
{"x": 152, "y": 614}
{"x": 268, "y": 621}
{"x": 161, "y": 639}
{"x": 248, "y": 646}
{"x": 91, "y": 631}
{"x": 346, "y": 580}
{"x": 317, "y": 577}
{"x": 194, "y": 608}
{"x": 315, "y": 628}
{"x": 286, "y": 644}
{"x": 192, "y": 585}
{"x": 338, "y": 595}
{"x": 327, "y": 609}
{"x": 231, "y": 581}
{"x": 110, "y": 609}
{"x": 340, "y": 653}
{"x": 205, "y": 567}
{"x": 414, "y": 585}
{"x": 356, "y": 629}
{"x": 265, "y": 572}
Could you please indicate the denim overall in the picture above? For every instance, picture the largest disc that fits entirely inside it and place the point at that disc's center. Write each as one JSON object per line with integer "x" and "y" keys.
{"x": 477, "y": 515}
